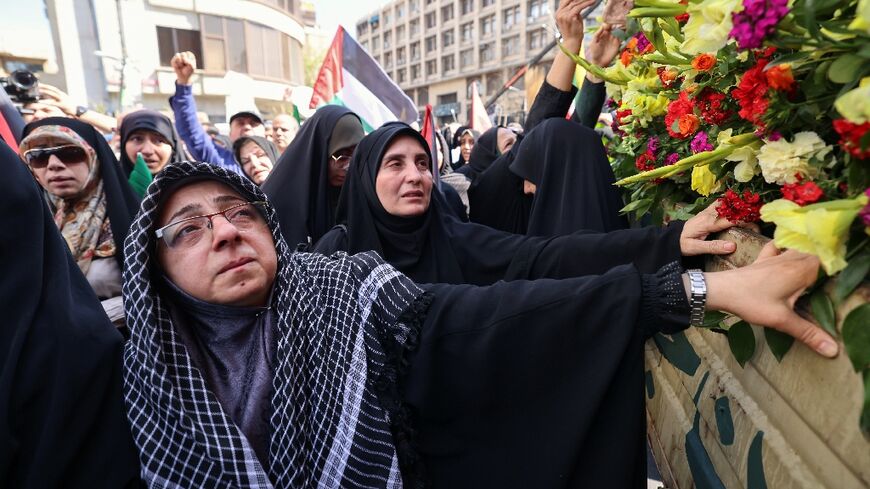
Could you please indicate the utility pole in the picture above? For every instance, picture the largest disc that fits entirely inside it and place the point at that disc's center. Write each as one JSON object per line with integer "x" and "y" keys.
{"x": 123, "y": 56}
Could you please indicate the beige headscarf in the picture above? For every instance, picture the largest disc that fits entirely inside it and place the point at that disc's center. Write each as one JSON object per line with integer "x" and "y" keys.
{"x": 82, "y": 219}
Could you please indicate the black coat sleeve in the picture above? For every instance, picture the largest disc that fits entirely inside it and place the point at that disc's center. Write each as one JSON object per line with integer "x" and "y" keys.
{"x": 588, "y": 104}
{"x": 539, "y": 384}
{"x": 550, "y": 102}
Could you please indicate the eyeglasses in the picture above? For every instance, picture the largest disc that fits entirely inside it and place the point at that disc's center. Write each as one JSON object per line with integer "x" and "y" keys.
{"x": 68, "y": 154}
{"x": 341, "y": 162}
{"x": 186, "y": 233}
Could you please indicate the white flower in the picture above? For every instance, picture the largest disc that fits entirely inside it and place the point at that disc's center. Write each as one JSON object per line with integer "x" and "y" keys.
{"x": 781, "y": 161}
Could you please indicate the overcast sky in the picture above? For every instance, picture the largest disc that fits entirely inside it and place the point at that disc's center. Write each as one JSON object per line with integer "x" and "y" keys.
{"x": 331, "y": 13}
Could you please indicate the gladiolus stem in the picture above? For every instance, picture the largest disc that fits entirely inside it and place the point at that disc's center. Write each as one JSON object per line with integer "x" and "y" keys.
{"x": 595, "y": 70}
{"x": 655, "y": 12}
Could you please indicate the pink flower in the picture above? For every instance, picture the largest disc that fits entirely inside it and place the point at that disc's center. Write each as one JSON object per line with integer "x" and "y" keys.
{"x": 672, "y": 158}
{"x": 865, "y": 212}
{"x": 700, "y": 144}
{"x": 757, "y": 21}
{"x": 652, "y": 145}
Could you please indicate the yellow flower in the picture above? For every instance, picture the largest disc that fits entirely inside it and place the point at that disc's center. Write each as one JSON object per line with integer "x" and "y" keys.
{"x": 708, "y": 26}
{"x": 820, "y": 229}
{"x": 854, "y": 105}
{"x": 747, "y": 163}
{"x": 703, "y": 180}
{"x": 781, "y": 161}
{"x": 862, "y": 17}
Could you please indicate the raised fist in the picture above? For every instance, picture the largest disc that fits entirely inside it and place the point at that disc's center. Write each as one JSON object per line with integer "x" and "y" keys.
{"x": 184, "y": 65}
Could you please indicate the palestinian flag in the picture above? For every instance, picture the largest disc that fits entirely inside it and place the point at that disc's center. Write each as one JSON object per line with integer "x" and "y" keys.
{"x": 350, "y": 77}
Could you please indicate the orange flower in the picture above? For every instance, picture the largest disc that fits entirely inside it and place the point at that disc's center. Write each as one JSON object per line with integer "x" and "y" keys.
{"x": 780, "y": 77}
{"x": 704, "y": 62}
{"x": 689, "y": 124}
{"x": 625, "y": 57}
{"x": 632, "y": 44}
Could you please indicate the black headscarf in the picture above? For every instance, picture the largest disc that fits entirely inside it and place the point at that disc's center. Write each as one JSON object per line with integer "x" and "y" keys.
{"x": 575, "y": 191}
{"x": 574, "y": 180}
{"x": 484, "y": 152}
{"x": 299, "y": 187}
{"x": 457, "y": 137}
{"x": 153, "y": 121}
{"x": 267, "y": 146}
{"x": 62, "y": 420}
{"x": 121, "y": 201}
{"x": 417, "y": 246}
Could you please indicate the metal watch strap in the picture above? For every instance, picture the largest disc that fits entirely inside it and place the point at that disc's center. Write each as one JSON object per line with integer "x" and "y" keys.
{"x": 697, "y": 296}
{"x": 80, "y": 110}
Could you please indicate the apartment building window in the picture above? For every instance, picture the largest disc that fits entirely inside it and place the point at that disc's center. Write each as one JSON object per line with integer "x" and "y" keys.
{"x": 414, "y": 6}
{"x": 466, "y": 6}
{"x": 265, "y": 56}
{"x": 448, "y": 63}
{"x": 487, "y": 52}
{"x": 493, "y": 82}
{"x": 538, "y": 8}
{"x": 400, "y": 12}
{"x": 448, "y": 38}
{"x": 362, "y": 28}
{"x": 415, "y": 72}
{"x": 388, "y": 39}
{"x": 388, "y": 60}
{"x": 376, "y": 43}
{"x": 377, "y": 59}
{"x": 365, "y": 45}
{"x": 537, "y": 38}
{"x": 467, "y": 31}
{"x": 487, "y": 25}
{"x": 466, "y": 58}
{"x": 415, "y": 51}
{"x": 431, "y": 67}
{"x": 510, "y": 17}
{"x": 400, "y": 33}
{"x": 486, "y": 3}
{"x": 510, "y": 46}
{"x": 171, "y": 41}
{"x": 447, "y": 13}
{"x": 400, "y": 75}
{"x": 431, "y": 44}
{"x": 423, "y": 96}
{"x": 430, "y": 2}
{"x": 386, "y": 18}
{"x": 414, "y": 27}
{"x": 400, "y": 56}
{"x": 431, "y": 20}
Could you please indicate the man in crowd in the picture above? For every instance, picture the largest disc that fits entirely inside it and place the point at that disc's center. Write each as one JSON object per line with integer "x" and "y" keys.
{"x": 199, "y": 144}
{"x": 284, "y": 129}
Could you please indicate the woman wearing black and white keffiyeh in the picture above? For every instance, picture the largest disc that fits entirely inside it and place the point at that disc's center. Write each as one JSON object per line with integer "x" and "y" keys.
{"x": 251, "y": 366}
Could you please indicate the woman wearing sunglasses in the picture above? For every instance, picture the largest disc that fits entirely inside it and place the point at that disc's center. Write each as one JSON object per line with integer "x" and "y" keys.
{"x": 92, "y": 202}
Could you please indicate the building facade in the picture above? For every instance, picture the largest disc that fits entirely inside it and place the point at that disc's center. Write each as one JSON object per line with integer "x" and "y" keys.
{"x": 436, "y": 49}
{"x": 258, "y": 42}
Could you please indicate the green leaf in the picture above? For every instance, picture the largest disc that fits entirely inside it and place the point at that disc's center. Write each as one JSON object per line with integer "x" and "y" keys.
{"x": 636, "y": 205}
{"x": 778, "y": 342}
{"x": 851, "y": 276}
{"x": 846, "y": 68}
{"x": 823, "y": 311}
{"x": 788, "y": 58}
{"x": 821, "y": 72}
{"x": 741, "y": 339}
{"x": 713, "y": 318}
{"x": 856, "y": 336}
{"x": 675, "y": 126}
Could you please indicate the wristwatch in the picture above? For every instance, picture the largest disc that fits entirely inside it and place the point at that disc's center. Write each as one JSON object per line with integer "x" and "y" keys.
{"x": 81, "y": 109}
{"x": 697, "y": 296}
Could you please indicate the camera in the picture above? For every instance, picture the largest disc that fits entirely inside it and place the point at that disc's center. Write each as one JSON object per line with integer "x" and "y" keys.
{"x": 22, "y": 86}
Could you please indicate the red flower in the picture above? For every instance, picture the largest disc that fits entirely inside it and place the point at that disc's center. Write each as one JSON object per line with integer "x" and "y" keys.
{"x": 737, "y": 208}
{"x": 850, "y": 137}
{"x": 802, "y": 193}
{"x": 751, "y": 93}
{"x": 678, "y": 111}
{"x": 704, "y": 62}
{"x": 645, "y": 162}
{"x": 668, "y": 77}
{"x": 625, "y": 57}
{"x": 780, "y": 78}
{"x": 710, "y": 105}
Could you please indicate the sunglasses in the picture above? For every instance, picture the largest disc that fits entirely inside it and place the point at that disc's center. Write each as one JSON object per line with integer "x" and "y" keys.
{"x": 69, "y": 154}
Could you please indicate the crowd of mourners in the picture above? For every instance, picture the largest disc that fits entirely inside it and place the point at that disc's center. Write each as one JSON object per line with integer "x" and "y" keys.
{"x": 314, "y": 306}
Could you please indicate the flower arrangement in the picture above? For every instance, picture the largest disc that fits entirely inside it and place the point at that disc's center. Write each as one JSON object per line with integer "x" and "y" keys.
{"x": 762, "y": 106}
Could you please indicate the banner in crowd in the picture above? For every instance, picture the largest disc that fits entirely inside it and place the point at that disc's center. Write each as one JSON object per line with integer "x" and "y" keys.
{"x": 352, "y": 78}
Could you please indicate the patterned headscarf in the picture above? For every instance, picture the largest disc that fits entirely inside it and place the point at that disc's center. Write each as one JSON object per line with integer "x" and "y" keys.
{"x": 344, "y": 324}
{"x": 82, "y": 218}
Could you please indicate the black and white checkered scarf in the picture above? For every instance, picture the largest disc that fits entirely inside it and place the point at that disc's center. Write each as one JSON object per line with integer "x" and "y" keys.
{"x": 343, "y": 326}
